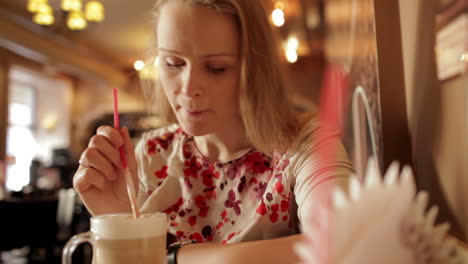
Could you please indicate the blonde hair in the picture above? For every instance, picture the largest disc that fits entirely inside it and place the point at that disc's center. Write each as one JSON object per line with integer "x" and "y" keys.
{"x": 264, "y": 105}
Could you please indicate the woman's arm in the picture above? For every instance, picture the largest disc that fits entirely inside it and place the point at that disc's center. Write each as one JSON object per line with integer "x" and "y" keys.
{"x": 279, "y": 250}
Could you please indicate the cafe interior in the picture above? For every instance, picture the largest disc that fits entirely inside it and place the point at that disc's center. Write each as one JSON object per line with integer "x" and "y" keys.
{"x": 406, "y": 61}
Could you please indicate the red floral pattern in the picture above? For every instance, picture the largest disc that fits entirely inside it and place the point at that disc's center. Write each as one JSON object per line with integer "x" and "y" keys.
{"x": 192, "y": 167}
{"x": 257, "y": 162}
{"x": 158, "y": 143}
{"x": 209, "y": 174}
{"x": 219, "y": 200}
{"x": 162, "y": 174}
{"x": 175, "y": 207}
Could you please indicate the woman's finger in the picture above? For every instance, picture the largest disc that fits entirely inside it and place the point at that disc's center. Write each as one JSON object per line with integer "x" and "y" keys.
{"x": 87, "y": 177}
{"x": 102, "y": 144}
{"x": 92, "y": 158}
{"x": 111, "y": 134}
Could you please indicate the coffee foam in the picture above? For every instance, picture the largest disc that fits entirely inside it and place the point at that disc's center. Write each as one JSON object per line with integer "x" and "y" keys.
{"x": 124, "y": 226}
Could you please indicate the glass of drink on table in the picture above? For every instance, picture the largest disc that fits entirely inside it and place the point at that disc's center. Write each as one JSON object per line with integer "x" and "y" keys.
{"x": 121, "y": 238}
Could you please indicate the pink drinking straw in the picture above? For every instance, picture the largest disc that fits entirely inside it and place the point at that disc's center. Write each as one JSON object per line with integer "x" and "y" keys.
{"x": 128, "y": 178}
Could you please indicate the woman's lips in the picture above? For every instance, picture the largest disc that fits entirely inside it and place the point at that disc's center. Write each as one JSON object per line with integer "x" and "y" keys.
{"x": 194, "y": 113}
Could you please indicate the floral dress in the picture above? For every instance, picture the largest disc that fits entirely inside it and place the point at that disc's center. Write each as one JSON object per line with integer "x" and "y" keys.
{"x": 253, "y": 197}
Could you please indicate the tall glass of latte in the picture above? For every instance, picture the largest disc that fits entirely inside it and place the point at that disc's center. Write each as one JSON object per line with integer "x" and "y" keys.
{"x": 120, "y": 238}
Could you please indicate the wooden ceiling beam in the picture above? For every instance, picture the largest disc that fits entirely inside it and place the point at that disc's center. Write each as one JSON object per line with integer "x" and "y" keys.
{"x": 70, "y": 59}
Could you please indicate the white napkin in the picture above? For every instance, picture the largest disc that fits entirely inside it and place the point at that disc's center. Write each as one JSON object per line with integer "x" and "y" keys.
{"x": 379, "y": 222}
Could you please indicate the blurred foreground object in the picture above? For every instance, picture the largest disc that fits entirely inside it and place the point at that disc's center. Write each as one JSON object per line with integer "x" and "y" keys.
{"x": 381, "y": 222}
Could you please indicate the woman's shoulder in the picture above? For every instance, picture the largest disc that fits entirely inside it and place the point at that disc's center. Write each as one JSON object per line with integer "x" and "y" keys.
{"x": 318, "y": 150}
{"x": 312, "y": 137}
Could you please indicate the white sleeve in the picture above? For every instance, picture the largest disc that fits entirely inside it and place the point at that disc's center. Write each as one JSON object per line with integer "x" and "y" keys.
{"x": 316, "y": 175}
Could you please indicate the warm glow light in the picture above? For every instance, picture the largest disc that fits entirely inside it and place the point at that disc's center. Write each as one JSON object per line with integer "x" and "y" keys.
{"x": 71, "y": 5}
{"x": 33, "y": 5}
{"x": 44, "y": 15}
{"x": 43, "y": 19}
{"x": 49, "y": 122}
{"x": 312, "y": 18}
{"x": 277, "y": 16}
{"x": 148, "y": 73}
{"x": 291, "y": 55}
{"x": 279, "y": 5}
{"x": 76, "y": 20}
{"x": 45, "y": 9}
{"x": 464, "y": 57}
{"x": 293, "y": 43}
{"x": 94, "y": 11}
{"x": 291, "y": 49}
{"x": 139, "y": 65}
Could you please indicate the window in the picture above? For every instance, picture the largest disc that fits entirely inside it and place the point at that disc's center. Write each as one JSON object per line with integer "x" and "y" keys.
{"x": 21, "y": 142}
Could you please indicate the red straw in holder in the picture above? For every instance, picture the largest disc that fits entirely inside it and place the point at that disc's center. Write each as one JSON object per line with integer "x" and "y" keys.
{"x": 128, "y": 178}
{"x": 331, "y": 114}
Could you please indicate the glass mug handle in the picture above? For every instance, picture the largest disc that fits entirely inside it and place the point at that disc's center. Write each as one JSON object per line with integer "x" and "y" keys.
{"x": 73, "y": 243}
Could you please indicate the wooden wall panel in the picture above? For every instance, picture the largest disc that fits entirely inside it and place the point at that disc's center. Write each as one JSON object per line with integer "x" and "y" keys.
{"x": 3, "y": 103}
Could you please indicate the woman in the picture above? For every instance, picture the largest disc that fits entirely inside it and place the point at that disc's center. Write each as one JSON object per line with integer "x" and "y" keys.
{"x": 236, "y": 165}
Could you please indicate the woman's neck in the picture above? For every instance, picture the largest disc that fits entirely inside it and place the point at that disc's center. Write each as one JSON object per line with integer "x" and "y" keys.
{"x": 224, "y": 145}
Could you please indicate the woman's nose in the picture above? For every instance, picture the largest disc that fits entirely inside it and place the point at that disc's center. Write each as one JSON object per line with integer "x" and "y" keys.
{"x": 192, "y": 84}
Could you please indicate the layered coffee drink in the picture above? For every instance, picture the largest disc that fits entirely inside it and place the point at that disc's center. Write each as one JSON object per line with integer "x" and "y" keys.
{"x": 123, "y": 239}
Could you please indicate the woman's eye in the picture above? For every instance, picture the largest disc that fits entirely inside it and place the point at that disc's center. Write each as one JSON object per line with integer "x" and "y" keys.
{"x": 174, "y": 64}
{"x": 216, "y": 70}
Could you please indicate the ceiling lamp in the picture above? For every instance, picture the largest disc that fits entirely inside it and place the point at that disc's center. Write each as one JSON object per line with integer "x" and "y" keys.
{"x": 94, "y": 11}
{"x": 147, "y": 72}
{"x": 71, "y": 5}
{"x": 33, "y": 5}
{"x": 76, "y": 20}
{"x": 291, "y": 49}
{"x": 139, "y": 65}
{"x": 277, "y": 16}
{"x": 44, "y": 15}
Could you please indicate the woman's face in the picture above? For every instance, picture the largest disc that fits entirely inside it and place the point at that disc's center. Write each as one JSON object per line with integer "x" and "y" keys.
{"x": 199, "y": 66}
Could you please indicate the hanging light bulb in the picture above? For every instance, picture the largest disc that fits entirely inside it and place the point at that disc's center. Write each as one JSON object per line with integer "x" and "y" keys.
{"x": 293, "y": 43}
{"x": 71, "y": 5}
{"x": 44, "y": 15}
{"x": 33, "y": 5}
{"x": 291, "y": 49}
{"x": 94, "y": 11}
{"x": 291, "y": 55}
{"x": 139, "y": 65}
{"x": 76, "y": 20}
{"x": 279, "y": 5}
{"x": 277, "y": 16}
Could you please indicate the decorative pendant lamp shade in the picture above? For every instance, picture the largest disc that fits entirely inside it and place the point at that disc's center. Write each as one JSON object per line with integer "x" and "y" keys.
{"x": 76, "y": 20}
{"x": 33, "y": 5}
{"x": 44, "y": 15}
{"x": 71, "y": 5}
{"x": 94, "y": 11}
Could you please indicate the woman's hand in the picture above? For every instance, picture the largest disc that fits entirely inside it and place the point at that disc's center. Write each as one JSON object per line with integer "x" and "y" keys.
{"x": 100, "y": 179}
